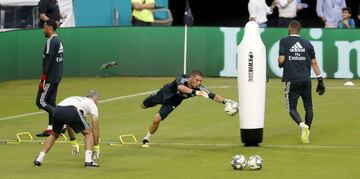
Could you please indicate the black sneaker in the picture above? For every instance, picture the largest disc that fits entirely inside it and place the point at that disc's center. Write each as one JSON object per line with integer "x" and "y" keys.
{"x": 145, "y": 143}
{"x": 37, "y": 163}
{"x": 91, "y": 164}
{"x": 45, "y": 133}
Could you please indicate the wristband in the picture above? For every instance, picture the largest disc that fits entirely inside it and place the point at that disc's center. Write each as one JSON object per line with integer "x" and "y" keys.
{"x": 193, "y": 91}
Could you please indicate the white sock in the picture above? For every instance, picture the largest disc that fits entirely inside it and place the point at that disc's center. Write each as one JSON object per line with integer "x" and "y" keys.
{"x": 88, "y": 155}
{"x": 49, "y": 127}
{"x": 148, "y": 136}
{"x": 302, "y": 124}
{"x": 41, "y": 156}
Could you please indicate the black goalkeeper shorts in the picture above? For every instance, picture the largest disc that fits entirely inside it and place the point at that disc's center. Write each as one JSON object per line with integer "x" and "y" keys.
{"x": 166, "y": 106}
{"x": 297, "y": 89}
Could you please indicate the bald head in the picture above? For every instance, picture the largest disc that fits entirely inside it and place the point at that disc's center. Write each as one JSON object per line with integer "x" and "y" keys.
{"x": 93, "y": 95}
{"x": 294, "y": 27}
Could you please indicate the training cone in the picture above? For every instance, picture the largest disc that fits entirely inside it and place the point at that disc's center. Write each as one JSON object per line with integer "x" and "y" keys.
{"x": 349, "y": 83}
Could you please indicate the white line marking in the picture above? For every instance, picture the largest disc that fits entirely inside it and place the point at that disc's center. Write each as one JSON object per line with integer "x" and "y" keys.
{"x": 306, "y": 146}
{"x": 127, "y": 96}
{"x": 327, "y": 87}
{"x": 21, "y": 115}
{"x": 347, "y": 88}
{"x": 101, "y": 101}
{"x": 265, "y": 145}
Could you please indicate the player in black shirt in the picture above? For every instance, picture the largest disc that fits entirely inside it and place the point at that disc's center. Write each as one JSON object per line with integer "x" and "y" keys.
{"x": 171, "y": 95}
{"x": 52, "y": 71}
{"x": 48, "y": 9}
{"x": 297, "y": 56}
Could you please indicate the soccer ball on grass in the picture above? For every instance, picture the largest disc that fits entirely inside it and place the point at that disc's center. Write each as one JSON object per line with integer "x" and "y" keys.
{"x": 238, "y": 162}
{"x": 255, "y": 162}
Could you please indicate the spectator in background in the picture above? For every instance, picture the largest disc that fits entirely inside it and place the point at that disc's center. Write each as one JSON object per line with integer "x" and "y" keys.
{"x": 142, "y": 12}
{"x": 330, "y": 11}
{"x": 347, "y": 22}
{"x": 48, "y": 9}
{"x": 288, "y": 11}
{"x": 258, "y": 10}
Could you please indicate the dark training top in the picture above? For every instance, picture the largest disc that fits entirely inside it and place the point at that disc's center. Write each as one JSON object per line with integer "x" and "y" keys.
{"x": 298, "y": 54}
{"x": 172, "y": 94}
{"x": 53, "y": 59}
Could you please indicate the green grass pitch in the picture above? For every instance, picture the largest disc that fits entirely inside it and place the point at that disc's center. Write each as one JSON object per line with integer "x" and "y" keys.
{"x": 197, "y": 140}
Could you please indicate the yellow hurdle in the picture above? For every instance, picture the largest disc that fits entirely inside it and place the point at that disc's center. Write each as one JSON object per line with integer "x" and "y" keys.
{"x": 19, "y": 140}
{"x": 123, "y": 141}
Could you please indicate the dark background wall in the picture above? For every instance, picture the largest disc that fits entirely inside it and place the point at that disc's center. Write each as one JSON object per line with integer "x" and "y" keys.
{"x": 234, "y": 13}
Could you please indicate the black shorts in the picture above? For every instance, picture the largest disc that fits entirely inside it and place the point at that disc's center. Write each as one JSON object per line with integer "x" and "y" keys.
{"x": 296, "y": 89}
{"x": 166, "y": 106}
{"x": 70, "y": 116}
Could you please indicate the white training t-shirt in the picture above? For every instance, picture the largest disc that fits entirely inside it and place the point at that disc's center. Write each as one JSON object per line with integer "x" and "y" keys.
{"x": 287, "y": 10}
{"x": 85, "y": 104}
{"x": 258, "y": 9}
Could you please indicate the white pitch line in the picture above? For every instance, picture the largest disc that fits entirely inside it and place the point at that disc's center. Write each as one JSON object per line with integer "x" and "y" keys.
{"x": 101, "y": 101}
{"x": 313, "y": 146}
{"x": 21, "y": 115}
{"x": 127, "y": 96}
{"x": 265, "y": 145}
{"x": 347, "y": 88}
{"x": 328, "y": 87}
{"x": 306, "y": 146}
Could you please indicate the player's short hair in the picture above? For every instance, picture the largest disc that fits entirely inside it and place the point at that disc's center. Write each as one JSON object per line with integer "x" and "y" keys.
{"x": 92, "y": 93}
{"x": 51, "y": 23}
{"x": 346, "y": 9}
{"x": 196, "y": 72}
{"x": 295, "y": 26}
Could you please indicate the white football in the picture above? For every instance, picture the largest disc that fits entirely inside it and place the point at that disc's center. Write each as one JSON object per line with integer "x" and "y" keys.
{"x": 231, "y": 108}
{"x": 255, "y": 162}
{"x": 238, "y": 162}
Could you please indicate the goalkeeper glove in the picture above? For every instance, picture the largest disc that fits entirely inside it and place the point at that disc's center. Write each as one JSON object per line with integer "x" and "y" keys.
{"x": 96, "y": 152}
{"x": 320, "y": 86}
{"x": 226, "y": 101}
{"x": 229, "y": 101}
{"x": 75, "y": 148}
{"x": 201, "y": 93}
{"x": 42, "y": 82}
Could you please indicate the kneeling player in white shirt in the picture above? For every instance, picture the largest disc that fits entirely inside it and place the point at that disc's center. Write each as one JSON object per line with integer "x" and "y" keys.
{"x": 72, "y": 111}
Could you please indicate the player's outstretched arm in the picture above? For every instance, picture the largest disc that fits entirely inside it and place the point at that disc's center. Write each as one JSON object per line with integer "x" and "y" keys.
{"x": 187, "y": 90}
{"x": 219, "y": 99}
{"x": 184, "y": 89}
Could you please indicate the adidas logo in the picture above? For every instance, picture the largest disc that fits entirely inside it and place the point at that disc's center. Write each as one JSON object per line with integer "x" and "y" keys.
{"x": 297, "y": 48}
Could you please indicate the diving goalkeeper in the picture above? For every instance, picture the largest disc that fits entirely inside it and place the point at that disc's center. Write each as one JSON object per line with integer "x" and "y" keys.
{"x": 171, "y": 95}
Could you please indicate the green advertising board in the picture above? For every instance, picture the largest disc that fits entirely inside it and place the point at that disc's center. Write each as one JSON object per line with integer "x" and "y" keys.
{"x": 159, "y": 51}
